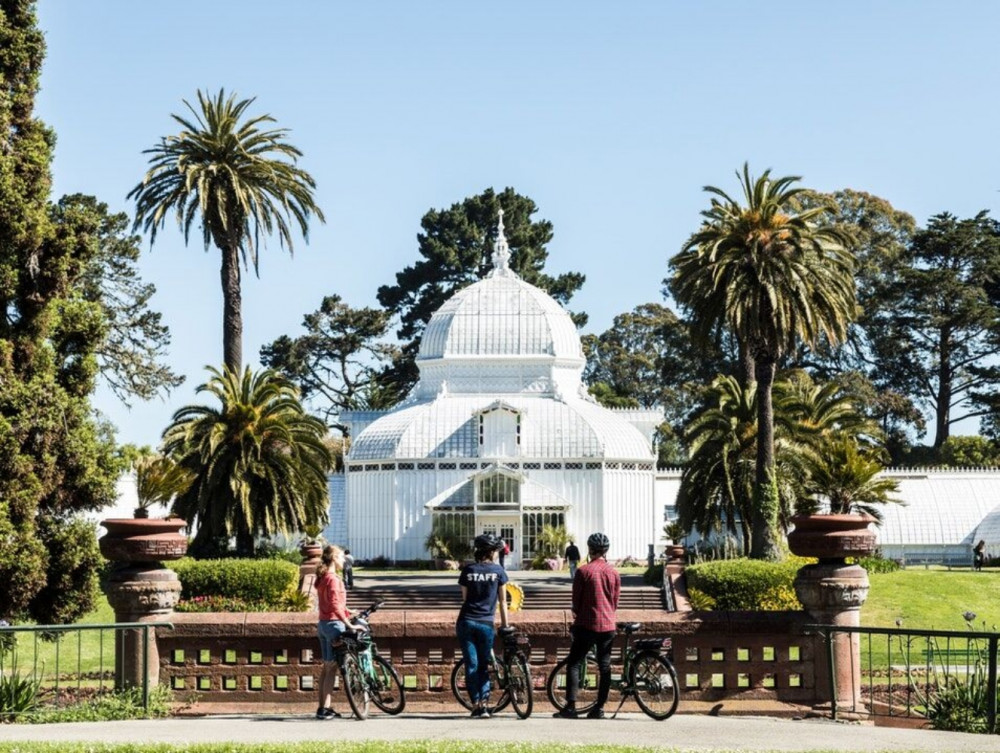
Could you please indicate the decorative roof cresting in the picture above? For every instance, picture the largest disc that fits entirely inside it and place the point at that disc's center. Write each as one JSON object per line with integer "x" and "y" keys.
{"x": 501, "y": 251}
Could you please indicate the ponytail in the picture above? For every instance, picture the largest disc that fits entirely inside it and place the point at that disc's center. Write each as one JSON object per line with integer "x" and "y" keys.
{"x": 330, "y": 553}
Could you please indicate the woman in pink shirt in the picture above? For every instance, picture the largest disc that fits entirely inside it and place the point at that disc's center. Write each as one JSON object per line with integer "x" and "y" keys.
{"x": 334, "y": 621}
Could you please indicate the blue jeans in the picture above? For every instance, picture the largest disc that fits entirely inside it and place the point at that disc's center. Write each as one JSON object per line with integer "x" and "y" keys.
{"x": 476, "y": 640}
{"x": 329, "y": 633}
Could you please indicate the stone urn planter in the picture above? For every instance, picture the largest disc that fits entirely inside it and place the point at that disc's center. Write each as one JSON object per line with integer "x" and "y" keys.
{"x": 832, "y": 537}
{"x": 141, "y": 589}
{"x": 143, "y": 539}
{"x": 833, "y": 591}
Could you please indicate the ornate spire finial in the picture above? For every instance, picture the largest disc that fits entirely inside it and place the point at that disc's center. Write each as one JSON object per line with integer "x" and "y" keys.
{"x": 501, "y": 251}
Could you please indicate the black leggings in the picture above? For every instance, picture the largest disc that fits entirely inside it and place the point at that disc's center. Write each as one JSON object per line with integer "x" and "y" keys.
{"x": 583, "y": 639}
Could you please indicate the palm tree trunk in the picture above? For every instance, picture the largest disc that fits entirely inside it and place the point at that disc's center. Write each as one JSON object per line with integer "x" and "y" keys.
{"x": 747, "y": 366}
{"x": 232, "y": 316}
{"x": 765, "y": 509}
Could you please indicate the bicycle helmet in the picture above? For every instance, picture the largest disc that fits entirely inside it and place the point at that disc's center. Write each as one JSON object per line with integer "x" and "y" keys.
{"x": 598, "y": 542}
{"x": 488, "y": 542}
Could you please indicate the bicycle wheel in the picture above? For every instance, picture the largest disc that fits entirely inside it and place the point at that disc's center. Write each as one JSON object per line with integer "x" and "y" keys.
{"x": 586, "y": 694}
{"x": 355, "y": 687}
{"x": 655, "y": 683}
{"x": 461, "y": 692}
{"x": 519, "y": 688}
{"x": 386, "y": 687}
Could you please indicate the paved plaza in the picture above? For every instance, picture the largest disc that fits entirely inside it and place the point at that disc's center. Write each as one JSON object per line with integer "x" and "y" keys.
{"x": 684, "y": 732}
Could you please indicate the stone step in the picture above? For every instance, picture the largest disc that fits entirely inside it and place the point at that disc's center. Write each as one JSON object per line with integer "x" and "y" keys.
{"x": 450, "y": 598}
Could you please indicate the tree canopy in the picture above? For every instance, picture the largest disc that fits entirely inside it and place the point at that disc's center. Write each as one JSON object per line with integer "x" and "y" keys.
{"x": 56, "y": 461}
{"x": 336, "y": 363}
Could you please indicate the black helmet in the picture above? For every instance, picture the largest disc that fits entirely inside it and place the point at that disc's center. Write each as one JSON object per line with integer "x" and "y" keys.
{"x": 487, "y": 542}
{"x": 598, "y": 542}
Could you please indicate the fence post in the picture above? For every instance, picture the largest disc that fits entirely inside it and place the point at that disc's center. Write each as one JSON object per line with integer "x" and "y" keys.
{"x": 991, "y": 690}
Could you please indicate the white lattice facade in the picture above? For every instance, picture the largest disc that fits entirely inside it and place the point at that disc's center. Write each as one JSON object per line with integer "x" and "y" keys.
{"x": 500, "y": 434}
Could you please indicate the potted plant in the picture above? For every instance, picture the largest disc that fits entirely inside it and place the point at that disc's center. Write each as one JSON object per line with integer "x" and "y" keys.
{"x": 311, "y": 543}
{"x": 551, "y": 543}
{"x": 141, "y": 539}
{"x": 674, "y": 534}
{"x": 844, "y": 479}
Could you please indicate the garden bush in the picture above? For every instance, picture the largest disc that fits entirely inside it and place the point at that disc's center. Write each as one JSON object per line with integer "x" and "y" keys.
{"x": 653, "y": 575}
{"x": 878, "y": 564}
{"x": 747, "y": 584}
{"x": 253, "y": 582}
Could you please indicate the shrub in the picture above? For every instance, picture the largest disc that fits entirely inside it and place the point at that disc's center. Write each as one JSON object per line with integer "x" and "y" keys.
{"x": 653, "y": 575}
{"x": 255, "y": 582}
{"x": 747, "y": 584}
{"x": 700, "y": 601}
{"x": 878, "y": 564}
{"x": 18, "y": 693}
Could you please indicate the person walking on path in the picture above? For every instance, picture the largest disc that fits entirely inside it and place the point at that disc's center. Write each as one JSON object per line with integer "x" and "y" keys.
{"x": 572, "y": 557}
{"x": 482, "y": 583}
{"x": 334, "y": 621}
{"x": 348, "y": 570}
{"x": 596, "y": 590}
{"x": 979, "y": 555}
{"x": 504, "y": 551}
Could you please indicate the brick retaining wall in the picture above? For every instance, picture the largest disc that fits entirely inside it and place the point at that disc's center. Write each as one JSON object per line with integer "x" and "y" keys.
{"x": 272, "y": 658}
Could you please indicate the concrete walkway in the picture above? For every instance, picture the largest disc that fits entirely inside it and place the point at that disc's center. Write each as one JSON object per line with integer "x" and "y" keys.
{"x": 682, "y": 732}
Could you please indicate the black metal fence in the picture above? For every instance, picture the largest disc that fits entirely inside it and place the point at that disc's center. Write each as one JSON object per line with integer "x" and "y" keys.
{"x": 46, "y": 666}
{"x": 946, "y": 678}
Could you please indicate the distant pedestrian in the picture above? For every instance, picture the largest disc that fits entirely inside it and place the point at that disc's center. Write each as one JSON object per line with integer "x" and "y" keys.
{"x": 979, "y": 555}
{"x": 572, "y": 557}
{"x": 504, "y": 551}
{"x": 348, "y": 570}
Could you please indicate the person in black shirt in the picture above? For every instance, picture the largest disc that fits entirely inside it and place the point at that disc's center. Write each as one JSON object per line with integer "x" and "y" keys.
{"x": 572, "y": 557}
{"x": 482, "y": 587}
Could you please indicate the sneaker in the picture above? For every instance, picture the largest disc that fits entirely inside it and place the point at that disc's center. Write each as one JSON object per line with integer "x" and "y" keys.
{"x": 326, "y": 713}
{"x": 595, "y": 713}
{"x": 477, "y": 712}
{"x": 566, "y": 713}
{"x": 485, "y": 714}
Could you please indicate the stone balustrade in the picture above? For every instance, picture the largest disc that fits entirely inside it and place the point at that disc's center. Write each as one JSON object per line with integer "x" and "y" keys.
{"x": 272, "y": 658}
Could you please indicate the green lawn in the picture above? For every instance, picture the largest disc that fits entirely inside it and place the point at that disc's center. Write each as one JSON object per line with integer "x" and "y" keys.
{"x": 79, "y": 655}
{"x": 933, "y": 599}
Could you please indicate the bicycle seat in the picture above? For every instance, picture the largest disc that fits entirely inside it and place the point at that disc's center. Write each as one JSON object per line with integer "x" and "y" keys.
{"x": 507, "y": 631}
{"x": 629, "y": 627}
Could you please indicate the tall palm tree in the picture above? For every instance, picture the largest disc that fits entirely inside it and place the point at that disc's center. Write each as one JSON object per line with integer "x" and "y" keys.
{"x": 773, "y": 276}
{"x": 239, "y": 177}
{"x": 259, "y": 460}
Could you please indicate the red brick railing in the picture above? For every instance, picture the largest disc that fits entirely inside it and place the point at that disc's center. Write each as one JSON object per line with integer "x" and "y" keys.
{"x": 272, "y": 658}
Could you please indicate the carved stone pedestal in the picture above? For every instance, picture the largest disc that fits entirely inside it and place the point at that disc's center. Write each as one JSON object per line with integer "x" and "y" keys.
{"x": 140, "y": 594}
{"x": 832, "y": 592}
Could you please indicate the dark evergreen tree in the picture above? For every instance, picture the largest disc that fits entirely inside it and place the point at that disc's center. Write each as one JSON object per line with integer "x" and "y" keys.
{"x": 55, "y": 461}
{"x": 336, "y": 363}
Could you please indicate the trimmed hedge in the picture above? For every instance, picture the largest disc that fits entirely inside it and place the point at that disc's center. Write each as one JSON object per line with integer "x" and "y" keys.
{"x": 252, "y": 581}
{"x": 746, "y": 584}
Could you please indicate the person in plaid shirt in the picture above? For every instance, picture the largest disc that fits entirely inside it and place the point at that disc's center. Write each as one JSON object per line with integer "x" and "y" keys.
{"x": 596, "y": 588}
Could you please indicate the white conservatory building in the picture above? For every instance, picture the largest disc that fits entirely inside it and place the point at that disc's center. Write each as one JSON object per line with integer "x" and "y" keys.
{"x": 500, "y": 434}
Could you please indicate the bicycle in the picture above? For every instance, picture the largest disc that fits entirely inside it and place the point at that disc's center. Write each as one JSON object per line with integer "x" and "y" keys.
{"x": 367, "y": 675}
{"x": 509, "y": 674}
{"x": 647, "y": 675}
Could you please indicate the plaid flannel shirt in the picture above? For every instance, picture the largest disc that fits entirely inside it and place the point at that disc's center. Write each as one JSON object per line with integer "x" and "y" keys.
{"x": 596, "y": 588}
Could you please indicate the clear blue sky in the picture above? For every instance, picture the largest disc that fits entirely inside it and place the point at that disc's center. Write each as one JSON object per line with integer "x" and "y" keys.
{"x": 611, "y": 116}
